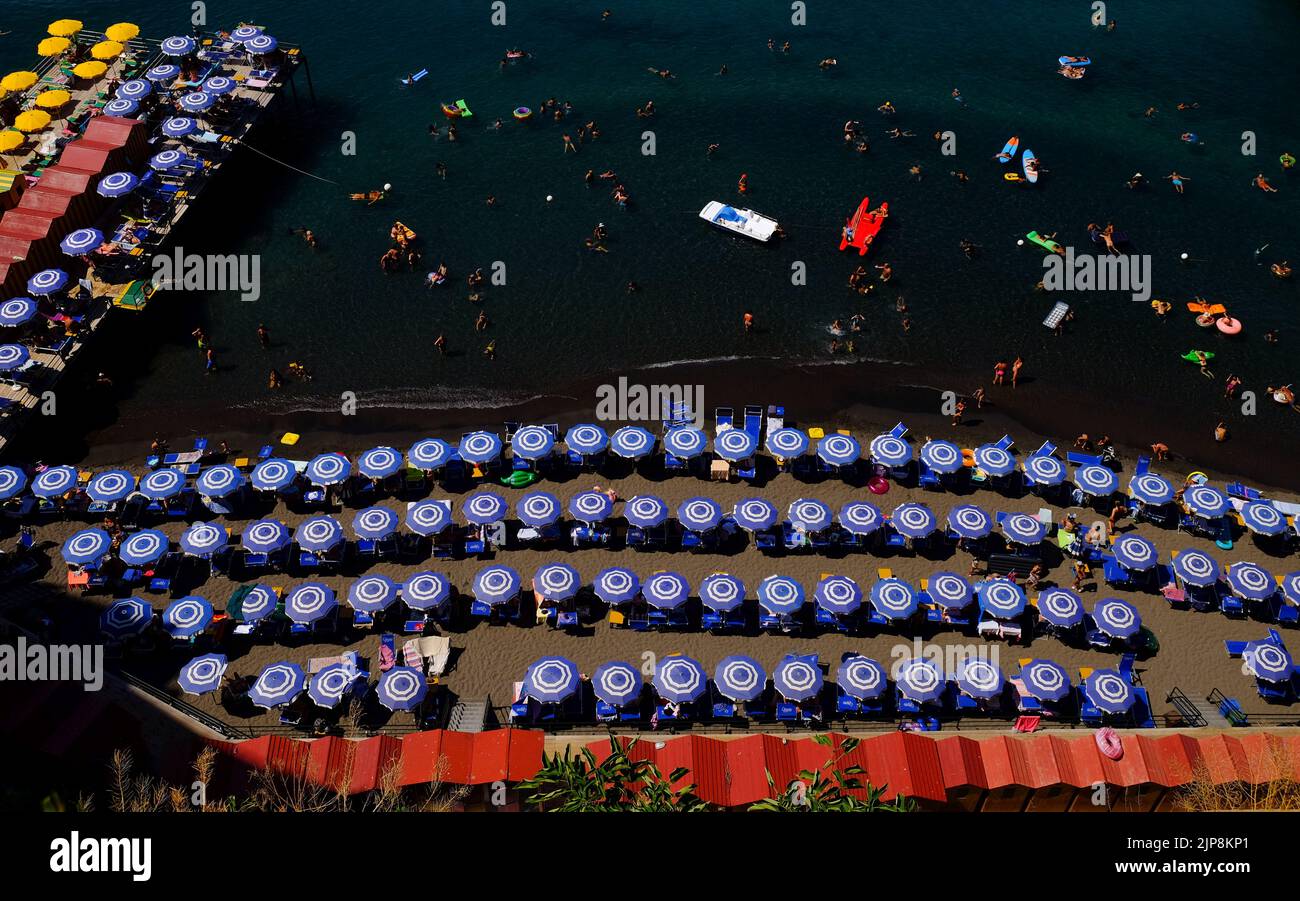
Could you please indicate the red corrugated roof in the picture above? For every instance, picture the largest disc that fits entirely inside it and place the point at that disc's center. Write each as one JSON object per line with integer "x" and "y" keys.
{"x": 963, "y": 763}
{"x": 68, "y": 179}
{"x": 374, "y": 757}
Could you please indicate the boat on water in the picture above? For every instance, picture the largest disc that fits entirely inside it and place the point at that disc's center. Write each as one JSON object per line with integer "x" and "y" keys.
{"x": 741, "y": 221}
{"x": 862, "y": 229}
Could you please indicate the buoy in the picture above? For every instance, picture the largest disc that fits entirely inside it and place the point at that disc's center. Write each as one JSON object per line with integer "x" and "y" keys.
{"x": 388, "y": 187}
{"x": 1183, "y": 256}
{"x": 550, "y": 197}
{"x": 1020, "y": 242}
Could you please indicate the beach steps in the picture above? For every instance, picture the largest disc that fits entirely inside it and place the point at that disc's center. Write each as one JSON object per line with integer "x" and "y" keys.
{"x": 1210, "y": 713}
{"x": 469, "y": 715}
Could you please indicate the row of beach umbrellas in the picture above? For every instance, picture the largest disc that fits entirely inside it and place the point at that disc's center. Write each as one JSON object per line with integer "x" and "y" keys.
{"x": 280, "y": 684}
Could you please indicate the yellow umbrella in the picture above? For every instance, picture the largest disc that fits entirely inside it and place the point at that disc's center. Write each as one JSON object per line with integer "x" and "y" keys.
{"x": 32, "y": 120}
{"x": 53, "y": 46}
{"x": 18, "y": 81}
{"x": 89, "y": 69}
{"x": 52, "y": 99}
{"x": 122, "y": 31}
{"x": 64, "y": 28}
{"x": 106, "y": 50}
{"x": 11, "y": 140}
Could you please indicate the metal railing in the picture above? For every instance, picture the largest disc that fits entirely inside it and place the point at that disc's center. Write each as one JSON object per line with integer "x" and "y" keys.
{"x": 216, "y": 725}
{"x": 1185, "y": 708}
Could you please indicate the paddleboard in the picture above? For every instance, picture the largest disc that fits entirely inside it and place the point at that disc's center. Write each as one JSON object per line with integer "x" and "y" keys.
{"x": 416, "y": 77}
{"x": 1009, "y": 150}
{"x": 1190, "y": 356}
{"x": 1025, "y": 159}
{"x": 1068, "y": 61}
{"x": 1046, "y": 243}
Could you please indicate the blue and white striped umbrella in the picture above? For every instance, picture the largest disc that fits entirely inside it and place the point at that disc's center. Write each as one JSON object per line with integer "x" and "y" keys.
{"x": 809, "y": 514}
{"x": 277, "y": 685}
{"x": 484, "y": 508}
{"x": 838, "y": 594}
{"x": 616, "y": 683}
{"x": 722, "y": 592}
{"x": 18, "y": 310}
{"x": 685, "y": 442}
{"x": 1096, "y": 480}
{"x": 116, "y": 184}
{"x": 919, "y": 680}
{"x": 1251, "y": 581}
{"x": 266, "y": 536}
{"x": 913, "y": 520}
{"x": 379, "y": 463}
{"x": 994, "y": 460}
{"x": 665, "y": 590}
{"x": 126, "y": 617}
{"x": 162, "y": 483}
{"x": 1205, "y": 501}
{"x": 755, "y": 514}
{"x": 480, "y": 447}
{"x": 309, "y": 602}
{"x": 734, "y": 445}
{"x": 135, "y": 89}
{"x": 328, "y": 469}
{"x": 679, "y": 679}
{"x": 632, "y": 442}
{"x": 244, "y": 33}
{"x": 180, "y": 126}
{"x": 219, "y": 481}
{"x": 551, "y": 679}
{"x": 699, "y": 514}
{"x": 1001, "y": 598}
{"x": 1291, "y": 587}
{"x": 259, "y": 603}
{"x": 839, "y": 450}
{"x": 787, "y": 442}
{"x": 13, "y": 356}
{"x": 969, "y": 521}
{"x": 538, "y": 509}
{"x": 121, "y": 107}
{"x": 428, "y": 453}
{"x": 1061, "y": 607}
{"x": 54, "y": 482}
{"x": 263, "y": 43}
{"x": 12, "y": 481}
{"x": 86, "y": 546}
{"x": 586, "y": 439}
{"x": 616, "y": 585}
{"x": 1196, "y": 568}
{"x": 426, "y": 591}
{"x": 1045, "y": 680}
{"x": 47, "y": 281}
{"x": 860, "y": 517}
{"x": 329, "y": 686}
{"x": 163, "y": 72}
{"x": 202, "y": 674}
{"x": 429, "y": 516}
{"x": 319, "y": 533}
{"x": 402, "y": 688}
{"x": 739, "y": 678}
{"x": 590, "y": 506}
{"x": 890, "y": 451}
{"x": 372, "y": 593}
{"x": 894, "y": 599}
{"x": 979, "y": 678}
{"x": 942, "y": 457}
{"x": 645, "y": 511}
{"x": 1135, "y": 552}
{"x": 496, "y": 584}
{"x": 950, "y": 590}
{"x": 145, "y": 546}
{"x": 532, "y": 442}
{"x": 1262, "y": 518}
{"x": 1117, "y": 618}
{"x": 1108, "y": 691}
{"x": 219, "y": 85}
{"x": 1044, "y": 469}
{"x": 196, "y": 102}
{"x": 177, "y": 45}
{"x": 862, "y": 678}
{"x": 204, "y": 538}
{"x": 1021, "y": 528}
{"x": 166, "y": 159}
{"x": 110, "y": 486}
{"x": 1268, "y": 660}
{"x": 273, "y": 474}
{"x": 374, "y": 523}
{"x": 556, "y": 581}
{"x": 82, "y": 240}
{"x": 1150, "y": 488}
{"x": 798, "y": 677}
{"x": 187, "y": 617}
{"x": 780, "y": 595}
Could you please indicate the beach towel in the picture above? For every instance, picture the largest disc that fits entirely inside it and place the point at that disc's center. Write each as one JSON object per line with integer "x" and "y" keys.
{"x": 1027, "y": 723}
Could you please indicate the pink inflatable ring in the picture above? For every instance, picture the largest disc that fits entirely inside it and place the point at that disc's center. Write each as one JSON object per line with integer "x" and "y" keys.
{"x": 1228, "y": 325}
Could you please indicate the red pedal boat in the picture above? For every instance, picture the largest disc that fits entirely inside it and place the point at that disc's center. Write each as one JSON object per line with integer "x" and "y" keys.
{"x": 862, "y": 229}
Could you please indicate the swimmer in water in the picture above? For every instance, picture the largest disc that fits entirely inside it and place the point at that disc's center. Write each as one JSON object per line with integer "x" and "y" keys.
{"x": 1262, "y": 183}
{"x": 1177, "y": 180}
{"x": 887, "y": 108}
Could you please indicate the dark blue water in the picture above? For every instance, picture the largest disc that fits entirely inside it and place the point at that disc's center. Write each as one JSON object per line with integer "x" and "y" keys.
{"x": 564, "y": 313}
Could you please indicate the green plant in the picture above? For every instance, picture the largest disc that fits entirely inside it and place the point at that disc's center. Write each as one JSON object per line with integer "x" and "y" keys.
{"x": 831, "y": 788}
{"x": 578, "y": 783}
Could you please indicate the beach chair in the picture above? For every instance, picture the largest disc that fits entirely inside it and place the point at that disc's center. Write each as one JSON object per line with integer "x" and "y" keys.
{"x": 387, "y": 652}
{"x": 1231, "y": 605}
{"x": 927, "y": 478}
{"x": 723, "y": 419}
{"x": 754, "y": 421}
{"x": 787, "y": 713}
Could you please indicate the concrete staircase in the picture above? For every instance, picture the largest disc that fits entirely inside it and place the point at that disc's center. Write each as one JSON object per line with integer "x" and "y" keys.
{"x": 469, "y": 715}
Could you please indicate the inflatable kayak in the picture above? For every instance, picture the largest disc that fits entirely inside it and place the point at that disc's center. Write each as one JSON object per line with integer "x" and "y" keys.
{"x": 1046, "y": 243}
{"x": 1025, "y": 159}
{"x": 1191, "y": 357}
{"x": 1079, "y": 61}
{"x": 1009, "y": 150}
{"x": 862, "y": 229}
